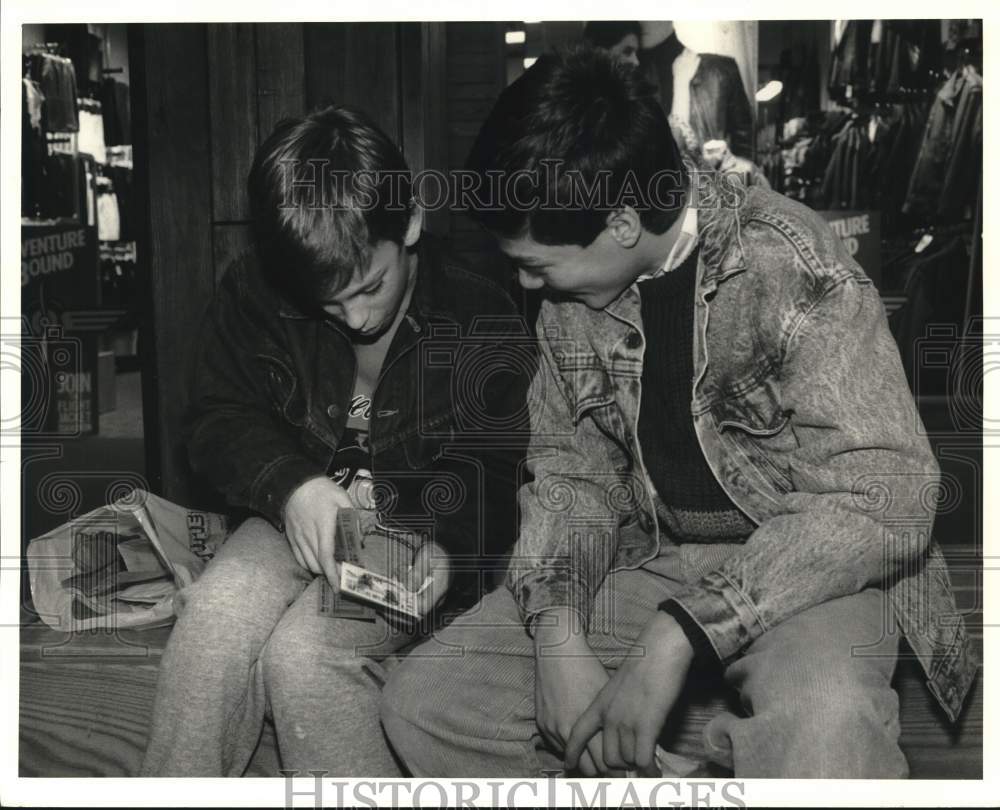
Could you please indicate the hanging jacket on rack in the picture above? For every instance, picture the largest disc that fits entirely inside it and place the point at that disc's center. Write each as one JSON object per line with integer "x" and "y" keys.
{"x": 62, "y": 188}
{"x": 965, "y": 163}
{"x": 851, "y": 177}
{"x": 935, "y": 296}
{"x": 906, "y": 135}
{"x": 849, "y": 63}
{"x": 953, "y": 134}
{"x": 57, "y": 79}
{"x": 87, "y": 173}
{"x": 121, "y": 177}
{"x": 117, "y": 112}
{"x": 903, "y": 55}
{"x": 32, "y": 147}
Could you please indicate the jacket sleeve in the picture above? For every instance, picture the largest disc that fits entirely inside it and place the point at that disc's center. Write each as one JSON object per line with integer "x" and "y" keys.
{"x": 739, "y": 116}
{"x": 569, "y": 521}
{"x": 861, "y": 463}
{"x": 234, "y": 435}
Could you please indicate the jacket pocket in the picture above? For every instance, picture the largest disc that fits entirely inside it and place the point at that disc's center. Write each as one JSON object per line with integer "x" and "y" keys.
{"x": 427, "y": 445}
{"x": 754, "y": 423}
{"x": 283, "y": 389}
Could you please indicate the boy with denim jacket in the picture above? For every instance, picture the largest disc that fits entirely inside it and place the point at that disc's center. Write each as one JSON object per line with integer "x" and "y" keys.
{"x": 729, "y": 474}
{"x": 319, "y": 386}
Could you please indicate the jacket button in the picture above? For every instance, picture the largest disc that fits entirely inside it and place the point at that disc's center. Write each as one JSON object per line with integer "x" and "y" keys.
{"x": 634, "y": 340}
{"x": 332, "y": 411}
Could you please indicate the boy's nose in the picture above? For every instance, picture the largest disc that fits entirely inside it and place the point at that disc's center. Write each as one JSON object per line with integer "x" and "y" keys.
{"x": 356, "y": 318}
{"x": 529, "y": 281}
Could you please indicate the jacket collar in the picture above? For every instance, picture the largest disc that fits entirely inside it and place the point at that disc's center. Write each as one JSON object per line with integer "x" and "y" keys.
{"x": 717, "y": 232}
{"x": 720, "y": 243}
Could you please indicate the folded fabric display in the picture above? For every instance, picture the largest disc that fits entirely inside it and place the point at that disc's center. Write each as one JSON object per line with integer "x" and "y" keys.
{"x": 91, "y": 139}
{"x": 108, "y": 218}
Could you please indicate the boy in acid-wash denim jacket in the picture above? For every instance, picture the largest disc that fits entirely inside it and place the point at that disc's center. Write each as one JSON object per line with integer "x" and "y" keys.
{"x": 766, "y": 513}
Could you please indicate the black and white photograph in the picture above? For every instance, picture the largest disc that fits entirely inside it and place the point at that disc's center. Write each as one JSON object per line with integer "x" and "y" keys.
{"x": 410, "y": 409}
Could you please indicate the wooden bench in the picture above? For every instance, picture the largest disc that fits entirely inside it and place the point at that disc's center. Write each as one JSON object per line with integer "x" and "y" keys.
{"x": 86, "y": 701}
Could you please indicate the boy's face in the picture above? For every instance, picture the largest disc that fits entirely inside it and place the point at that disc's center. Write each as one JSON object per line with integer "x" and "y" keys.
{"x": 369, "y": 304}
{"x": 627, "y": 51}
{"x": 595, "y": 275}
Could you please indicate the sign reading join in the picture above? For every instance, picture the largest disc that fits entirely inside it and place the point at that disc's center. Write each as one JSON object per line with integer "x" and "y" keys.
{"x": 860, "y": 233}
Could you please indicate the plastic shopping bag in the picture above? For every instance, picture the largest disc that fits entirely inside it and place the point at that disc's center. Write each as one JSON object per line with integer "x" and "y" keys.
{"x": 120, "y": 565}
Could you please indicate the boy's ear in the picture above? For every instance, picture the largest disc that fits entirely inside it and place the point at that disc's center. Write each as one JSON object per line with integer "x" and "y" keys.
{"x": 416, "y": 225}
{"x": 624, "y": 226}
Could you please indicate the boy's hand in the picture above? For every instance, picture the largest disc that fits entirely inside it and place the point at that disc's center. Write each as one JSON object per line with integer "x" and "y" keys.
{"x": 311, "y": 525}
{"x": 633, "y": 707}
{"x": 568, "y": 676}
{"x": 430, "y": 561}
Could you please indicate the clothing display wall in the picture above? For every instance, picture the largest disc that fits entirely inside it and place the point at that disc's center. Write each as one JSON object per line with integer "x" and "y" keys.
{"x": 900, "y": 140}
{"x": 76, "y": 168}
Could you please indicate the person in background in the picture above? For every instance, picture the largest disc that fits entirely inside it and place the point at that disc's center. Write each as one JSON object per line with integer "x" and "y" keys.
{"x": 319, "y": 386}
{"x": 701, "y": 93}
{"x": 620, "y": 38}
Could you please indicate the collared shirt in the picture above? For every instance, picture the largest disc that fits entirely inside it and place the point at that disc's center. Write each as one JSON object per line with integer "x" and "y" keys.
{"x": 686, "y": 241}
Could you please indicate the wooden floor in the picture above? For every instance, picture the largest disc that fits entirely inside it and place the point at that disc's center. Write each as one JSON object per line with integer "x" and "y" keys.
{"x": 85, "y": 707}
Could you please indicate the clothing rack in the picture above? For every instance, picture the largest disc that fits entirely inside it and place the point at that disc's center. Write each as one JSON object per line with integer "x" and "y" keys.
{"x": 43, "y": 48}
{"x": 975, "y": 260}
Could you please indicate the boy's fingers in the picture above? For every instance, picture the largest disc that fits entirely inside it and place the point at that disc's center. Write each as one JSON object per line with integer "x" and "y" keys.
{"x": 612, "y": 749}
{"x": 595, "y": 749}
{"x": 307, "y": 544}
{"x": 298, "y": 556}
{"x": 585, "y": 728}
{"x": 326, "y": 543}
{"x": 586, "y": 766}
{"x": 646, "y": 732}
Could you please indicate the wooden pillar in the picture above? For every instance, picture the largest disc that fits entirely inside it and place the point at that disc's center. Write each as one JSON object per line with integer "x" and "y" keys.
{"x": 174, "y": 165}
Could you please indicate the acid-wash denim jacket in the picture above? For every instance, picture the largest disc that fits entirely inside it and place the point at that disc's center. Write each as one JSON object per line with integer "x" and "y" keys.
{"x": 802, "y": 412}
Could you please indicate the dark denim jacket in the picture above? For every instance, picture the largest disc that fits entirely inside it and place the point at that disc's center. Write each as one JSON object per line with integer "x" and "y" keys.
{"x": 272, "y": 386}
{"x": 803, "y": 413}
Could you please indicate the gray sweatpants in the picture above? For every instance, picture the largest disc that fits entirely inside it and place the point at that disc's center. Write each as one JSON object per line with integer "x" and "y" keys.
{"x": 816, "y": 689}
{"x": 249, "y": 640}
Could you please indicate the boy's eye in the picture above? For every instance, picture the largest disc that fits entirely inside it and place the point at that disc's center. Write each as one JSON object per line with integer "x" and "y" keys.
{"x": 376, "y": 288}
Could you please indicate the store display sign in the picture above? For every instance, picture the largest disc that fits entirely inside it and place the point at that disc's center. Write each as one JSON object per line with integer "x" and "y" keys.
{"x": 861, "y": 234}
{"x": 62, "y": 256}
{"x": 75, "y": 399}
{"x": 59, "y": 296}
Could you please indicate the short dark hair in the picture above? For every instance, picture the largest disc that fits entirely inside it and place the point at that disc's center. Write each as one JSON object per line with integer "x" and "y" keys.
{"x": 608, "y": 33}
{"x": 324, "y": 189}
{"x": 600, "y": 123}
